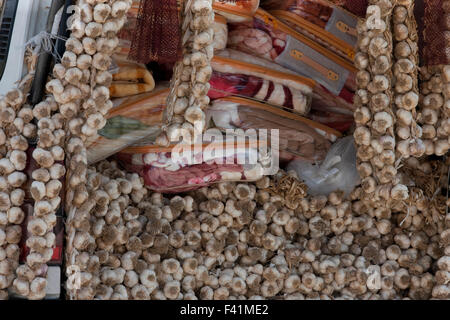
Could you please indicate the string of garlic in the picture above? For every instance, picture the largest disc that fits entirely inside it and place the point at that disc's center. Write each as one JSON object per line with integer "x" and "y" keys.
{"x": 375, "y": 120}
{"x": 406, "y": 89}
{"x": 443, "y": 129}
{"x": 16, "y": 127}
{"x": 74, "y": 82}
{"x": 431, "y": 106}
{"x": 190, "y": 84}
{"x": 94, "y": 27}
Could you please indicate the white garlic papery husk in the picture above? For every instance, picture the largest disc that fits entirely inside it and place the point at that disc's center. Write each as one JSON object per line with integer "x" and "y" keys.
{"x": 190, "y": 84}
{"x": 109, "y": 17}
{"x": 15, "y": 116}
{"x": 106, "y": 220}
{"x": 66, "y": 118}
{"x": 434, "y": 109}
{"x": 406, "y": 81}
{"x": 374, "y": 114}
{"x": 237, "y": 240}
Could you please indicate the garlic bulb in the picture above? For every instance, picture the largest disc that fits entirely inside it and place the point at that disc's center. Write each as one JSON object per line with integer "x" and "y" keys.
{"x": 188, "y": 97}
{"x": 406, "y": 82}
{"x": 15, "y": 121}
{"x": 374, "y": 117}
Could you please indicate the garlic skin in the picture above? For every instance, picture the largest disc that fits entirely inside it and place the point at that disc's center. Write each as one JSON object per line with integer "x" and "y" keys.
{"x": 15, "y": 120}
{"x": 84, "y": 113}
{"x": 406, "y": 82}
{"x": 379, "y": 92}
{"x": 434, "y": 113}
{"x": 160, "y": 248}
{"x": 188, "y": 97}
{"x": 74, "y": 84}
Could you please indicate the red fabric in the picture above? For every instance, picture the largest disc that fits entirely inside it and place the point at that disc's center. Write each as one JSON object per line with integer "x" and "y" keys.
{"x": 357, "y": 7}
{"x": 435, "y": 51}
{"x": 157, "y": 35}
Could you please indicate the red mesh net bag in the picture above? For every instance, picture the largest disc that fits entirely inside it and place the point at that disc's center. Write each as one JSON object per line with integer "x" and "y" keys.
{"x": 157, "y": 36}
{"x": 357, "y": 7}
{"x": 435, "y": 49}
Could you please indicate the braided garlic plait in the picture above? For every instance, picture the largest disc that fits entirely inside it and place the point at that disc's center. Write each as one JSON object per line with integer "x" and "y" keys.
{"x": 73, "y": 84}
{"x": 188, "y": 96}
{"x": 15, "y": 128}
{"x": 406, "y": 88}
{"x": 94, "y": 27}
{"x": 374, "y": 116}
{"x": 45, "y": 190}
{"x": 432, "y": 106}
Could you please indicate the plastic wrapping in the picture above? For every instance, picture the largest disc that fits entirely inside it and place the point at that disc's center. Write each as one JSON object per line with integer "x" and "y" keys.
{"x": 299, "y": 137}
{"x": 130, "y": 120}
{"x": 220, "y": 32}
{"x": 271, "y": 39}
{"x": 322, "y": 100}
{"x": 329, "y": 25}
{"x": 234, "y": 77}
{"x": 335, "y": 120}
{"x": 236, "y": 10}
{"x": 130, "y": 79}
{"x": 336, "y": 172}
{"x": 169, "y": 171}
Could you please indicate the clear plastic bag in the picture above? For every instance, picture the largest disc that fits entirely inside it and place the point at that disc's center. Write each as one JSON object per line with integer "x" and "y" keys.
{"x": 299, "y": 137}
{"x": 336, "y": 172}
{"x": 240, "y": 78}
{"x": 236, "y": 10}
{"x": 130, "y": 120}
{"x": 234, "y": 61}
{"x": 220, "y": 32}
{"x": 267, "y": 37}
{"x": 171, "y": 170}
{"x": 331, "y": 26}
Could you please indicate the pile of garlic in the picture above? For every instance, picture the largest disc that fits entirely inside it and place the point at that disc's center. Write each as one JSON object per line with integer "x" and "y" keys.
{"x": 15, "y": 128}
{"x": 238, "y": 241}
{"x": 406, "y": 89}
{"x": 190, "y": 84}
{"x": 374, "y": 116}
{"x": 102, "y": 229}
